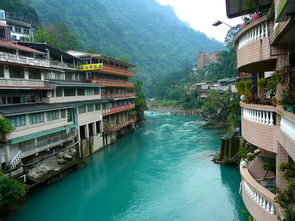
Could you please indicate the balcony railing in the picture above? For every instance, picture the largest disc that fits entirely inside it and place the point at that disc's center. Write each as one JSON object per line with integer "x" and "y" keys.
{"x": 259, "y": 201}
{"x": 19, "y": 59}
{"x": 259, "y": 116}
{"x": 48, "y": 143}
{"x": 117, "y": 70}
{"x": 118, "y": 95}
{"x": 119, "y": 126}
{"x": 58, "y": 64}
{"x": 21, "y": 82}
{"x": 114, "y": 110}
{"x": 288, "y": 127}
{"x": 256, "y": 31}
{"x": 112, "y": 83}
{"x": 16, "y": 160}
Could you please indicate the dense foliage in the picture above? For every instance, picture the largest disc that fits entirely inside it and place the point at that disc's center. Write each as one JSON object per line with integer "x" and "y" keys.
{"x": 140, "y": 104}
{"x": 22, "y": 6}
{"x": 11, "y": 192}
{"x": 151, "y": 35}
{"x": 58, "y": 35}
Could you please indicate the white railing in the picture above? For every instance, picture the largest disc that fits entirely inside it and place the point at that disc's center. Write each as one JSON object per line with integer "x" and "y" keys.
{"x": 23, "y": 60}
{"x": 260, "y": 117}
{"x": 16, "y": 160}
{"x": 288, "y": 127}
{"x": 259, "y": 199}
{"x": 21, "y": 82}
{"x": 260, "y": 31}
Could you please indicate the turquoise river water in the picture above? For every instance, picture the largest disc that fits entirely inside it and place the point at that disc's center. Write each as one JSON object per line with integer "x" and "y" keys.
{"x": 161, "y": 172}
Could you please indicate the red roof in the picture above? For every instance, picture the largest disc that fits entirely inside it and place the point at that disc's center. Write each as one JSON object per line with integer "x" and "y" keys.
{"x": 19, "y": 47}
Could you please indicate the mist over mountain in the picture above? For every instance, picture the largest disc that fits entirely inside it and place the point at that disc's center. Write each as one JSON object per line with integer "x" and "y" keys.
{"x": 149, "y": 34}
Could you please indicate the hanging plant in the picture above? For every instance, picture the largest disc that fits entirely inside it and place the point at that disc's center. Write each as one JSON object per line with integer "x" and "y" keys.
{"x": 241, "y": 87}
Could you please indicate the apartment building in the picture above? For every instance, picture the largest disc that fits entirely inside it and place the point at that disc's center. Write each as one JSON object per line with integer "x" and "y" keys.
{"x": 265, "y": 46}
{"x": 119, "y": 91}
{"x": 56, "y": 114}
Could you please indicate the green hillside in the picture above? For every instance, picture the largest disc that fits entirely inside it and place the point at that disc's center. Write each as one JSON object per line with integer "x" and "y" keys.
{"x": 148, "y": 33}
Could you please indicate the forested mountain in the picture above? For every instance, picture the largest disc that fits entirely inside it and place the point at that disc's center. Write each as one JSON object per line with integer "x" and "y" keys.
{"x": 149, "y": 34}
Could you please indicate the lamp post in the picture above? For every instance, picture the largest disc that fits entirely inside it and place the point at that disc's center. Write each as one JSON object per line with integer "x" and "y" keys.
{"x": 218, "y": 22}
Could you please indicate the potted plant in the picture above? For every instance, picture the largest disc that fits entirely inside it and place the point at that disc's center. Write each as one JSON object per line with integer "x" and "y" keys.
{"x": 246, "y": 20}
{"x": 255, "y": 16}
{"x": 262, "y": 82}
{"x": 248, "y": 91}
{"x": 241, "y": 88}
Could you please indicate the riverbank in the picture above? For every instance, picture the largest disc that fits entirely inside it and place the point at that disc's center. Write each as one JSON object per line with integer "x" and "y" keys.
{"x": 178, "y": 110}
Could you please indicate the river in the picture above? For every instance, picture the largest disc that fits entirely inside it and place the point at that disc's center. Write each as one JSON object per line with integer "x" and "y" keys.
{"x": 163, "y": 171}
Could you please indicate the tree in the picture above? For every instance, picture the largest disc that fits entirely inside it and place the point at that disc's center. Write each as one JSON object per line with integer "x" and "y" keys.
{"x": 140, "y": 104}
{"x": 11, "y": 191}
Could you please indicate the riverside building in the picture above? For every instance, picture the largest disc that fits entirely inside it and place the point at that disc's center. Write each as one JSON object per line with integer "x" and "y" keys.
{"x": 60, "y": 112}
{"x": 266, "y": 45}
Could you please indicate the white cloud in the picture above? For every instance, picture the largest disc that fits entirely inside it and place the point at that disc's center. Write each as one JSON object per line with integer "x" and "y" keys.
{"x": 201, "y": 14}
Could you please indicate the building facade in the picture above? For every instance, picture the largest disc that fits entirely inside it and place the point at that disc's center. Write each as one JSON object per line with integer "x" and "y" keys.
{"x": 266, "y": 47}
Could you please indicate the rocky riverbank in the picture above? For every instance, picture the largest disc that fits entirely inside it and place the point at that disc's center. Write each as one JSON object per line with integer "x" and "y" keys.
{"x": 177, "y": 110}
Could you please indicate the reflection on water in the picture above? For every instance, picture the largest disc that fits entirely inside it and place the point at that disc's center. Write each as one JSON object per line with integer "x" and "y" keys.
{"x": 161, "y": 172}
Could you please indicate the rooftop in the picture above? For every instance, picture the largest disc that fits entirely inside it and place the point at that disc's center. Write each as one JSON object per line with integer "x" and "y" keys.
{"x": 19, "y": 47}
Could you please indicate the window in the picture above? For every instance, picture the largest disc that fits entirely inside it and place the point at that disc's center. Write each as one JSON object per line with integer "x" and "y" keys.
{"x": 2, "y": 14}
{"x": 34, "y": 73}
{"x": 98, "y": 127}
{"x": 26, "y": 31}
{"x": 36, "y": 118}
{"x": 80, "y": 91}
{"x": 89, "y": 91}
{"x": 52, "y": 115}
{"x": 82, "y": 109}
{"x": 59, "y": 92}
{"x": 16, "y": 72}
{"x": 1, "y": 71}
{"x": 70, "y": 92}
{"x": 96, "y": 91}
{"x": 97, "y": 106}
{"x": 90, "y": 108}
{"x": 63, "y": 113}
{"x": 2, "y": 33}
{"x": 17, "y": 121}
{"x": 18, "y": 30}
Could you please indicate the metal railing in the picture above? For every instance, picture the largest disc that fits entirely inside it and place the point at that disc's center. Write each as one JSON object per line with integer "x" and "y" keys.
{"x": 119, "y": 126}
{"x": 118, "y": 95}
{"x": 16, "y": 160}
{"x": 21, "y": 82}
{"x": 114, "y": 110}
{"x": 19, "y": 59}
{"x": 111, "y": 82}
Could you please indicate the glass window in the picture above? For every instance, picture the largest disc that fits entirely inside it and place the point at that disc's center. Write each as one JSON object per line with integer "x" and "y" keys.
{"x": 96, "y": 91}
{"x": 2, "y": 14}
{"x": 1, "y": 71}
{"x": 89, "y": 91}
{"x": 63, "y": 113}
{"x": 97, "y": 106}
{"x": 36, "y": 118}
{"x": 16, "y": 72}
{"x": 52, "y": 115}
{"x": 82, "y": 109}
{"x": 34, "y": 73}
{"x": 17, "y": 121}
{"x": 59, "y": 92}
{"x": 90, "y": 107}
{"x": 80, "y": 91}
{"x": 70, "y": 92}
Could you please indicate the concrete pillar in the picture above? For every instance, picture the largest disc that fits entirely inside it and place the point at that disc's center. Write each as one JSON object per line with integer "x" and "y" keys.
{"x": 6, "y": 71}
{"x": 7, "y": 154}
{"x": 26, "y": 73}
{"x": 86, "y": 131}
{"x": 282, "y": 157}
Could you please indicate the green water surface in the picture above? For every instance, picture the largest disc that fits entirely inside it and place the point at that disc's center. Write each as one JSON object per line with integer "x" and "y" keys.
{"x": 161, "y": 172}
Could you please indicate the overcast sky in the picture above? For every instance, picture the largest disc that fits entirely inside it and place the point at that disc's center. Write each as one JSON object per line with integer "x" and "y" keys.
{"x": 201, "y": 14}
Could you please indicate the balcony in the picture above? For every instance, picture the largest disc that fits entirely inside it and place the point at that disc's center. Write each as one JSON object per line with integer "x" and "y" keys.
{"x": 107, "y": 69}
{"x": 114, "y": 110}
{"x": 253, "y": 47}
{"x": 113, "y": 83}
{"x": 118, "y": 96}
{"x": 286, "y": 132}
{"x": 258, "y": 200}
{"x": 258, "y": 125}
{"x": 45, "y": 144}
{"x": 18, "y": 59}
{"x": 23, "y": 83}
{"x": 119, "y": 126}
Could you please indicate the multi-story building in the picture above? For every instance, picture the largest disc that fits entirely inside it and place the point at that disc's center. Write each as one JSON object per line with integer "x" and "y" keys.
{"x": 113, "y": 74}
{"x": 16, "y": 27}
{"x": 266, "y": 45}
{"x": 56, "y": 114}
